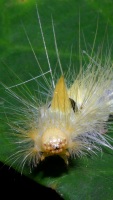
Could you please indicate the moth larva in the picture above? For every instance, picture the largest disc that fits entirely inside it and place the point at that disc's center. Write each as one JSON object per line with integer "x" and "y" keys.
{"x": 73, "y": 122}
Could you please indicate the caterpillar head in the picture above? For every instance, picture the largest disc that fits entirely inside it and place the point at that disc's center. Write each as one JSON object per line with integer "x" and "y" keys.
{"x": 54, "y": 141}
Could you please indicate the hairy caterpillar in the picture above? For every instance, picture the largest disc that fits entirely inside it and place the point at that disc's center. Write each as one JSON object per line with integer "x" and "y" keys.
{"x": 73, "y": 119}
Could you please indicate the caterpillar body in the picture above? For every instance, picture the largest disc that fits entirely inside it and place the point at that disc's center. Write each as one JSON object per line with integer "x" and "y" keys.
{"x": 73, "y": 122}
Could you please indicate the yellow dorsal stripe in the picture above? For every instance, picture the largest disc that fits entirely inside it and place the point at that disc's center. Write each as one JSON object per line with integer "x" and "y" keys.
{"x": 60, "y": 101}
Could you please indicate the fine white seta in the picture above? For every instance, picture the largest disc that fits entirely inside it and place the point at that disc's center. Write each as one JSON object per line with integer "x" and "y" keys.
{"x": 73, "y": 122}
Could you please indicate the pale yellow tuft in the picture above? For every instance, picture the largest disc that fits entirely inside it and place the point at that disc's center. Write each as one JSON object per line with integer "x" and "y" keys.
{"x": 60, "y": 101}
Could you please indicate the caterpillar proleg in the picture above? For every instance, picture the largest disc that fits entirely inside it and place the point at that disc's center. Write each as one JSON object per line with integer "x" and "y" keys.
{"x": 74, "y": 116}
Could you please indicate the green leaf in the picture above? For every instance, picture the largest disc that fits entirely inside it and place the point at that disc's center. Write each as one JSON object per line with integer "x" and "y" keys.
{"x": 85, "y": 178}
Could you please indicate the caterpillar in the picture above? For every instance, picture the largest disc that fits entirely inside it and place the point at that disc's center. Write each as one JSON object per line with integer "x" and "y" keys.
{"x": 73, "y": 118}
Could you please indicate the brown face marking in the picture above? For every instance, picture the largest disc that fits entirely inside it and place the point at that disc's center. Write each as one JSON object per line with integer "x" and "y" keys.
{"x": 54, "y": 141}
